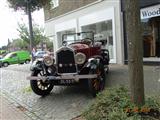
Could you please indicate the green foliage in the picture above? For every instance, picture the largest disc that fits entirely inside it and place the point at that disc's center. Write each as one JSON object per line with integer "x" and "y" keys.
{"x": 49, "y": 44}
{"x": 23, "y": 42}
{"x": 153, "y": 102}
{"x": 4, "y": 47}
{"x": 23, "y": 32}
{"x": 19, "y": 43}
{"x": 21, "y": 4}
{"x": 38, "y": 34}
{"x": 3, "y": 52}
{"x": 112, "y": 103}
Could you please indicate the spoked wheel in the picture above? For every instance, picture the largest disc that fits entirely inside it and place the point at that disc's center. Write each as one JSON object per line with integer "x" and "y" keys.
{"x": 97, "y": 84}
{"x": 41, "y": 87}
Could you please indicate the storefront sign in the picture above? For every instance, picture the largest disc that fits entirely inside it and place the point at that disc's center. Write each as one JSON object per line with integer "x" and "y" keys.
{"x": 150, "y": 12}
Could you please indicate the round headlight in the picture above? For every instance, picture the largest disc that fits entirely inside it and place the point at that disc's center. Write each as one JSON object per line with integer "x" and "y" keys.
{"x": 80, "y": 58}
{"x": 48, "y": 61}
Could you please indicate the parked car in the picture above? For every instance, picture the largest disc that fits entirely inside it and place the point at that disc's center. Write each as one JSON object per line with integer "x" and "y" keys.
{"x": 78, "y": 60}
{"x": 40, "y": 54}
{"x": 17, "y": 57}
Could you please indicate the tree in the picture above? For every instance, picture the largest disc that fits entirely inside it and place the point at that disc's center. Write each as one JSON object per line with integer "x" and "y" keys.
{"x": 49, "y": 44}
{"x": 37, "y": 31}
{"x": 135, "y": 51}
{"x": 19, "y": 43}
{"x": 4, "y": 47}
{"x": 22, "y": 4}
{"x": 28, "y": 6}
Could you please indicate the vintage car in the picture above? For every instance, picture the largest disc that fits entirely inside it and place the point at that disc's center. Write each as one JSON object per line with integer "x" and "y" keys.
{"x": 81, "y": 58}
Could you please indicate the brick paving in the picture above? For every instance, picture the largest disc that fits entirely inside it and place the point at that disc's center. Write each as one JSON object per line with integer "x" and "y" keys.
{"x": 9, "y": 112}
{"x": 64, "y": 103}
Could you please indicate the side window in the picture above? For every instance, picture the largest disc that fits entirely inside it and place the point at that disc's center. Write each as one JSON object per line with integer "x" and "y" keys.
{"x": 13, "y": 55}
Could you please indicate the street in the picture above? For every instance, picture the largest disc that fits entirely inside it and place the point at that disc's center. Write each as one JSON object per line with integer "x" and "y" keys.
{"x": 64, "y": 103}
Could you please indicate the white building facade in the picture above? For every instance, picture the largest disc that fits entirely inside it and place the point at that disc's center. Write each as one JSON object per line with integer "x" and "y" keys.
{"x": 102, "y": 17}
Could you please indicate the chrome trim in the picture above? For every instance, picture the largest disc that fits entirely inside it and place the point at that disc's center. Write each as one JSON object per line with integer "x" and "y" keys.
{"x": 64, "y": 77}
{"x": 80, "y": 53}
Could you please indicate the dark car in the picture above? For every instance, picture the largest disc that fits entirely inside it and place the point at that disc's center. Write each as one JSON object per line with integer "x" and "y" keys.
{"x": 79, "y": 59}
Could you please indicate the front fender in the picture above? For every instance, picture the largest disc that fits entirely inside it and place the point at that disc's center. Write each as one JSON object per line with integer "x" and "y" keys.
{"x": 93, "y": 63}
{"x": 36, "y": 66}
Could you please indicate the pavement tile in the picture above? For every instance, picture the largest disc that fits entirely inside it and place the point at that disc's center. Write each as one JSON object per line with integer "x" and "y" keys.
{"x": 10, "y": 112}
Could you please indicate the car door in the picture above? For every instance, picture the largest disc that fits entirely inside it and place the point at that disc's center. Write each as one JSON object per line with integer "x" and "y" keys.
{"x": 13, "y": 59}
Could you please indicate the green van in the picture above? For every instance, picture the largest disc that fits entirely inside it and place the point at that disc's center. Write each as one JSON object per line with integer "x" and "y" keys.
{"x": 17, "y": 57}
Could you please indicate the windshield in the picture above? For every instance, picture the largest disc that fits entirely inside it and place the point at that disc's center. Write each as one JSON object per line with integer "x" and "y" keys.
{"x": 8, "y": 55}
{"x": 78, "y": 37}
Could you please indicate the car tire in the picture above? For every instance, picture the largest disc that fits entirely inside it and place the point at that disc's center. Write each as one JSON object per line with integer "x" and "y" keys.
{"x": 44, "y": 89}
{"x": 96, "y": 85}
{"x": 27, "y": 61}
{"x": 5, "y": 64}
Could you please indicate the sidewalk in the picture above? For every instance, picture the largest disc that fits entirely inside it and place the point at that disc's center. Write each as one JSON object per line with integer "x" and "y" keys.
{"x": 9, "y": 112}
{"x": 118, "y": 75}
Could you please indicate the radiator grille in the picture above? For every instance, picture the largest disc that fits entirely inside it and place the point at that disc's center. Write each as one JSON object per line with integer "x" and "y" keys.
{"x": 66, "y": 61}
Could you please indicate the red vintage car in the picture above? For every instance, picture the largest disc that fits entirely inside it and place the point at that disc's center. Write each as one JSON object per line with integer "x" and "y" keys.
{"x": 81, "y": 58}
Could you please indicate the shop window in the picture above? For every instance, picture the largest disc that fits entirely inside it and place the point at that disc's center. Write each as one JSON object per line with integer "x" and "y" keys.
{"x": 60, "y": 34}
{"x": 151, "y": 37}
{"x": 103, "y": 31}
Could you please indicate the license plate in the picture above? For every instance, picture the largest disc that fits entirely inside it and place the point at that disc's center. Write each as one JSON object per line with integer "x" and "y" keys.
{"x": 66, "y": 81}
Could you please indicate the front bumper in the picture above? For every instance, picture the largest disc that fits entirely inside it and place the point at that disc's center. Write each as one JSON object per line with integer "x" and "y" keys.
{"x": 63, "y": 77}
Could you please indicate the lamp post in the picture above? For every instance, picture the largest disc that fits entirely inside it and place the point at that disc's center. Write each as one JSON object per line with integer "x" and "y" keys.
{"x": 30, "y": 24}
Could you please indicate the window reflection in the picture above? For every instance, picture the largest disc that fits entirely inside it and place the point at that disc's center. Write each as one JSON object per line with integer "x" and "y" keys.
{"x": 103, "y": 31}
{"x": 151, "y": 37}
{"x": 59, "y": 35}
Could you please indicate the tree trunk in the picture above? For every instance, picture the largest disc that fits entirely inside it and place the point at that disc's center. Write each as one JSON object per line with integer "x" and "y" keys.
{"x": 30, "y": 25}
{"x": 135, "y": 51}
